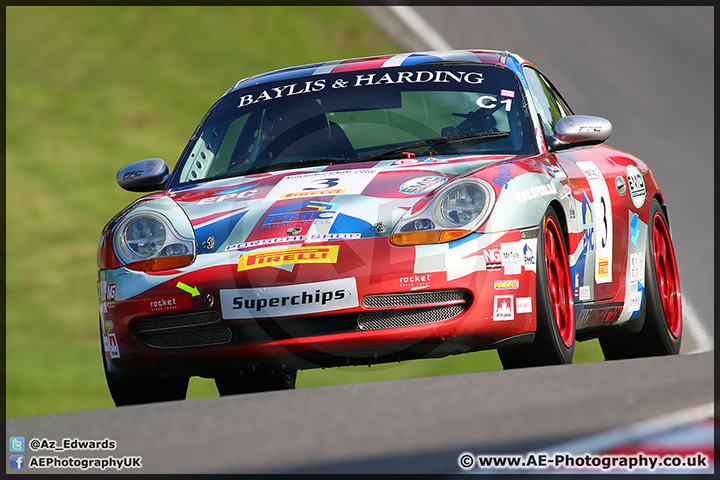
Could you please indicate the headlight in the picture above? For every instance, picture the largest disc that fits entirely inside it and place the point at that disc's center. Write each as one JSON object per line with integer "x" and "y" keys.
{"x": 147, "y": 241}
{"x": 456, "y": 211}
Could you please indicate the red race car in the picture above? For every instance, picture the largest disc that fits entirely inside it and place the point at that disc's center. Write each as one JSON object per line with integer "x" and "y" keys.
{"x": 381, "y": 209}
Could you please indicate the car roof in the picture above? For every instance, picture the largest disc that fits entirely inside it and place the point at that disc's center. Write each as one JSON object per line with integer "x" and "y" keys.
{"x": 494, "y": 57}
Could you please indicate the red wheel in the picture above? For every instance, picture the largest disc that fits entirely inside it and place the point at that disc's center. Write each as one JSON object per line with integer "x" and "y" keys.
{"x": 661, "y": 332}
{"x": 554, "y": 342}
{"x": 668, "y": 279}
{"x": 559, "y": 281}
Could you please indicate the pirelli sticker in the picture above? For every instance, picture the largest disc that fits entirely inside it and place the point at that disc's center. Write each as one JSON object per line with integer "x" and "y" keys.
{"x": 288, "y": 256}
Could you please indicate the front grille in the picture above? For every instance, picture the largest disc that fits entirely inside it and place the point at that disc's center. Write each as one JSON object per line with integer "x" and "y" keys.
{"x": 407, "y": 317}
{"x": 199, "y": 337}
{"x": 176, "y": 321}
{"x": 415, "y": 298}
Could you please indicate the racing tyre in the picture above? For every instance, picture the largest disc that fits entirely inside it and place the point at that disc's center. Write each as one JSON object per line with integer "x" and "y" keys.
{"x": 251, "y": 382}
{"x": 555, "y": 335}
{"x": 130, "y": 390}
{"x": 661, "y": 333}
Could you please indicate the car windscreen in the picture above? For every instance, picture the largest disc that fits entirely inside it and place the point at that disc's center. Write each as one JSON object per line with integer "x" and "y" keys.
{"x": 353, "y": 116}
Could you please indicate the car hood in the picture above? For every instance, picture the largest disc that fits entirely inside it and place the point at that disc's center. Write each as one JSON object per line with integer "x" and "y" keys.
{"x": 316, "y": 204}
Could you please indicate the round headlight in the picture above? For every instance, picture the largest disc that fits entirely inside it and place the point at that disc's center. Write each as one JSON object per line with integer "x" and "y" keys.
{"x": 144, "y": 235}
{"x": 464, "y": 203}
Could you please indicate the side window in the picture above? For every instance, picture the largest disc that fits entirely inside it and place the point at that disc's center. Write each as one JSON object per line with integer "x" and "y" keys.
{"x": 548, "y": 101}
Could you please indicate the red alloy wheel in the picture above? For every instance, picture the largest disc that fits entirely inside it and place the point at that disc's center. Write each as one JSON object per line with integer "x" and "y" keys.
{"x": 667, "y": 275}
{"x": 558, "y": 281}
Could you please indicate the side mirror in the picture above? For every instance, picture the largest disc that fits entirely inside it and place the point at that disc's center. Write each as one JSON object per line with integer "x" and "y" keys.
{"x": 579, "y": 130}
{"x": 144, "y": 176}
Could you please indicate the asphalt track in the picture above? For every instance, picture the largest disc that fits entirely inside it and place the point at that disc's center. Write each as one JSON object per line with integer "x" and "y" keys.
{"x": 410, "y": 426}
{"x": 647, "y": 69}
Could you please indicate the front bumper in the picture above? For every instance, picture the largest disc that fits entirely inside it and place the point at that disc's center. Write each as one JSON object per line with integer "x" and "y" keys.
{"x": 410, "y": 302}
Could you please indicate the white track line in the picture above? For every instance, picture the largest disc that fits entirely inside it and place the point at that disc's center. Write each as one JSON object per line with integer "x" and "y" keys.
{"x": 420, "y": 27}
{"x": 693, "y": 326}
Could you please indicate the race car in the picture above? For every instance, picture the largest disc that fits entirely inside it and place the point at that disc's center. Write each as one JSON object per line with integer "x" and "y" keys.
{"x": 377, "y": 210}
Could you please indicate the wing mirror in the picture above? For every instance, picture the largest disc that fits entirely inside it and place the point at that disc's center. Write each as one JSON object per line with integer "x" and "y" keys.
{"x": 579, "y": 130}
{"x": 144, "y": 176}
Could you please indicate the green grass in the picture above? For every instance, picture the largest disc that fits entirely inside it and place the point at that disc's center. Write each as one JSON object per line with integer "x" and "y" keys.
{"x": 91, "y": 89}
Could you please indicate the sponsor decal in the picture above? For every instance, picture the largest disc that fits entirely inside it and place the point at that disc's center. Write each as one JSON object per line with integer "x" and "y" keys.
{"x": 523, "y": 305}
{"x": 417, "y": 280}
{"x": 584, "y": 293}
{"x": 408, "y": 162}
{"x": 577, "y": 282}
{"x": 492, "y": 256}
{"x": 507, "y": 93}
{"x": 503, "y": 308}
{"x": 634, "y": 229}
{"x": 288, "y": 256}
{"x": 555, "y": 172}
{"x": 528, "y": 257}
{"x": 309, "y": 211}
{"x": 506, "y": 284}
{"x": 635, "y": 301}
{"x": 588, "y": 225}
{"x": 109, "y": 325}
{"x": 289, "y": 300}
{"x": 106, "y": 343}
{"x": 113, "y": 344}
{"x": 603, "y": 220}
{"x": 360, "y": 80}
{"x": 336, "y": 182}
{"x": 315, "y": 193}
{"x": 603, "y": 267}
{"x": 572, "y": 211}
{"x": 637, "y": 185}
{"x": 420, "y": 185}
{"x": 504, "y": 173}
{"x": 244, "y": 195}
{"x": 510, "y": 258}
{"x": 637, "y": 267}
{"x": 596, "y": 317}
{"x": 103, "y": 307}
{"x": 568, "y": 192}
{"x": 314, "y": 238}
{"x": 102, "y": 291}
{"x": 164, "y": 304}
{"x": 535, "y": 192}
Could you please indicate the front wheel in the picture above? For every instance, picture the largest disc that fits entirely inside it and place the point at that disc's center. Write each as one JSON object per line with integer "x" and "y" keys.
{"x": 132, "y": 390}
{"x": 661, "y": 333}
{"x": 555, "y": 335}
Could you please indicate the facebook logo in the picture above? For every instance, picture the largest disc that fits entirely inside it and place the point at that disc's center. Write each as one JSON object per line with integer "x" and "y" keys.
{"x": 17, "y": 462}
{"x": 17, "y": 444}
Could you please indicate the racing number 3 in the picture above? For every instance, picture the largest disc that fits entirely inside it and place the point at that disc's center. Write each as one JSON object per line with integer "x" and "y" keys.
{"x": 325, "y": 183}
{"x": 602, "y": 210}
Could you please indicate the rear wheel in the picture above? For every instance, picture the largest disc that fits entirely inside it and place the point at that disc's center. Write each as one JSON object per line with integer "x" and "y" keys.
{"x": 259, "y": 381}
{"x": 555, "y": 335}
{"x": 661, "y": 333}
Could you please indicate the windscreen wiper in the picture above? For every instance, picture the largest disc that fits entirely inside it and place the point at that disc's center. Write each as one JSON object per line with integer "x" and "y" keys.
{"x": 434, "y": 142}
{"x": 294, "y": 164}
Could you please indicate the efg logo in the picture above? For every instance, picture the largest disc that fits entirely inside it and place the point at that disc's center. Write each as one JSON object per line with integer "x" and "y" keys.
{"x": 309, "y": 211}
